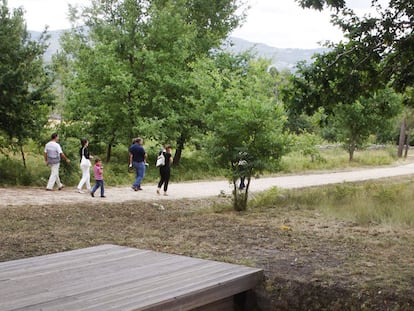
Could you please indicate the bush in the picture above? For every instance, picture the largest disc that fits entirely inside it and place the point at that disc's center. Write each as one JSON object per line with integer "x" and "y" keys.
{"x": 13, "y": 173}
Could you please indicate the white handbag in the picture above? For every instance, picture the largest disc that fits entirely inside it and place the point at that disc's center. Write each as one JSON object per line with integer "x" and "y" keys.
{"x": 84, "y": 161}
{"x": 160, "y": 160}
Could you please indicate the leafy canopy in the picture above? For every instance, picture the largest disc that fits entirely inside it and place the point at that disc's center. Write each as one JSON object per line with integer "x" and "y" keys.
{"x": 25, "y": 83}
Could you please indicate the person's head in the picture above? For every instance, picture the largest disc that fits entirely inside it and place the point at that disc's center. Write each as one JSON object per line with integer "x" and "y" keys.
{"x": 54, "y": 136}
{"x": 138, "y": 140}
{"x": 168, "y": 148}
{"x": 84, "y": 142}
{"x": 98, "y": 161}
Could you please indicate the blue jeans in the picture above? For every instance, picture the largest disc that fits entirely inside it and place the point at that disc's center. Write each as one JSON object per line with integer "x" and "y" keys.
{"x": 140, "y": 173}
{"x": 99, "y": 184}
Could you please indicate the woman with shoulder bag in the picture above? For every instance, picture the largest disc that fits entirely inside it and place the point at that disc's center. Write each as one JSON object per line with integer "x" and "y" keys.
{"x": 85, "y": 165}
{"x": 165, "y": 169}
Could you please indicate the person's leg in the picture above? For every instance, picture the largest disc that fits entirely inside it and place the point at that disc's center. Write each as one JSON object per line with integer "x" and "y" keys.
{"x": 98, "y": 185}
{"x": 85, "y": 171}
{"x": 137, "y": 181}
{"x": 88, "y": 179}
{"x": 54, "y": 176}
{"x": 58, "y": 182}
{"x": 162, "y": 180}
{"x": 102, "y": 188}
{"x": 95, "y": 187}
{"x": 140, "y": 170}
{"x": 52, "y": 179}
{"x": 242, "y": 185}
{"x": 167, "y": 180}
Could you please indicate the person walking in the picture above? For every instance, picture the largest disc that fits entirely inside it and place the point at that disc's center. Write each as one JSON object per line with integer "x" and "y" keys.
{"x": 85, "y": 165}
{"x": 137, "y": 159}
{"x": 53, "y": 154}
{"x": 165, "y": 170}
{"x": 99, "y": 180}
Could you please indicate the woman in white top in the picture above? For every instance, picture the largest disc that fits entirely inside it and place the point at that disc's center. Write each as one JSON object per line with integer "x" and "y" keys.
{"x": 85, "y": 165}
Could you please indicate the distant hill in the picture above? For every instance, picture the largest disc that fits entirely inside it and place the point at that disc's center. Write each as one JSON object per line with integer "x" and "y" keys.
{"x": 281, "y": 58}
{"x": 54, "y": 44}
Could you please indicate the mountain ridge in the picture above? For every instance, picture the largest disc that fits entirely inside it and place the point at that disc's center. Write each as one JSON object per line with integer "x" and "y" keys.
{"x": 281, "y": 58}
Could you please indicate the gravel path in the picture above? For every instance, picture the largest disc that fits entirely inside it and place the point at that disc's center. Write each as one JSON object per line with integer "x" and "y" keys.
{"x": 192, "y": 190}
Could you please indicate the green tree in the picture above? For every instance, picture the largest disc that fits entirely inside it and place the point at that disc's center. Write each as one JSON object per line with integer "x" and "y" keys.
{"x": 357, "y": 121}
{"x": 335, "y": 77}
{"x": 149, "y": 45}
{"x": 25, "y": 84}
{"x": 387, "y": 38}
{"x": 246, "y": 123}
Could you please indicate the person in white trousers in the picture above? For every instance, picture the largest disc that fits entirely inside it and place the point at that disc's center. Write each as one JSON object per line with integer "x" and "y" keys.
{"x": 53, "y": 153}
{"x": 85, "y": 165}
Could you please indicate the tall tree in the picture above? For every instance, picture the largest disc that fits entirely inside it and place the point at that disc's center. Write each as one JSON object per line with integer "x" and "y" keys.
{"x": 366, "y": 116}
{"x": 151, "y": 45}
{"x": 246, "y": 122}
{"x": 387, "y": 37}
{"x": 25, "y": 84}
{"x": 335, "y": 77}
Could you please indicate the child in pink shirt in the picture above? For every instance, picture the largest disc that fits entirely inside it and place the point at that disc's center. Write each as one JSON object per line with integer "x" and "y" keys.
{"x": 98, "y": 173}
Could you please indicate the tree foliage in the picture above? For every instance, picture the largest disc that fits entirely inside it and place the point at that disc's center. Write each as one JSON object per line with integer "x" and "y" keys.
{"x": 130, "y": 66}
{"x": 25, "y": 84}
{"x": 387, "y": 37}
{"x": 355, "y": 122}
{"x": 246, "y": 122}
{"x": 335, "y": 77}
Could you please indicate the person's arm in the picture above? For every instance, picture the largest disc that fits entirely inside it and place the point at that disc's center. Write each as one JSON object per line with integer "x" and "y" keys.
{"x": 45, "y": 155}
{"x": 130, "y": 159}
{"x": 62, "y": 155}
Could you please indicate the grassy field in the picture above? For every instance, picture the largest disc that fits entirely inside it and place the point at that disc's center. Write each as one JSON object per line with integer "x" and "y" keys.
{"x": 339, "y": 247}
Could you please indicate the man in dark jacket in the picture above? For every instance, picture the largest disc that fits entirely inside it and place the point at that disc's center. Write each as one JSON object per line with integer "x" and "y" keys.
{"x": 137, "y": 159}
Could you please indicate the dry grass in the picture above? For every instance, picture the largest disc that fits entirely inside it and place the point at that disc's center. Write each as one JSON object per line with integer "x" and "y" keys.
{"x": 309, "y": 259}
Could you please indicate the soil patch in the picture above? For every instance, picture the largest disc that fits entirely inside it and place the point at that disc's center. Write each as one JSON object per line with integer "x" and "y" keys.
{"x": 310, "y": 263}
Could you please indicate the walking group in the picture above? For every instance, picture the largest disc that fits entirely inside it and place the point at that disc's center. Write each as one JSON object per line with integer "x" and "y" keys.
{"x": 53, "y": 154}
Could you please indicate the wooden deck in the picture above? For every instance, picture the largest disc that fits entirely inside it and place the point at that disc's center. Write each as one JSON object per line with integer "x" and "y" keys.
{"x": 110, "y": 277}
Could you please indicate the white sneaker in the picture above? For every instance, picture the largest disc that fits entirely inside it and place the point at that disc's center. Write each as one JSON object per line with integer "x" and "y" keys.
{"x": 80, "y": 191}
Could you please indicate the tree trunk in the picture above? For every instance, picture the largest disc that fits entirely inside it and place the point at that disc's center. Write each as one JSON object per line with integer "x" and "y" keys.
{"x": 178, "y": 151}
{"x": 109, "y": 149}
{"x": 246, "y": 194}
{"x": 402, "y": 139}
{"x": 407, "y": 145}
{"x": 108, "y": 152}
{"x": 23, "y": 155}
{"x": 351, "y": 151}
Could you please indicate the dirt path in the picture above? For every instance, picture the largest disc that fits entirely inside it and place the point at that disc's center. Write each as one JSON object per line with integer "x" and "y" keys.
{"x": 192, "y": 190}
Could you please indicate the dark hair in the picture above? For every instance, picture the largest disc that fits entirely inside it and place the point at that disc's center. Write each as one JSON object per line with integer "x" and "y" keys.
{"x": 83, "y": 141}
{"x": 54, "y": 135}
{"x": 97, "y": 159}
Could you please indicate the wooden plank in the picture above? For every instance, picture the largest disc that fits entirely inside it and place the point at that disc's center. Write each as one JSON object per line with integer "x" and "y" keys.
{"x": 119, "y": 278}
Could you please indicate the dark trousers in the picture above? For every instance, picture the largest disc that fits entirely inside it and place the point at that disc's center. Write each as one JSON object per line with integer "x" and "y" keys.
{"x": 164, "y": 177}
{"x": 99, "y": 184}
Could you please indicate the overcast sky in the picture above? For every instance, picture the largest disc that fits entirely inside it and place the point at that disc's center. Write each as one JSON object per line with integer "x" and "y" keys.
{"x": 278, "y": 23}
